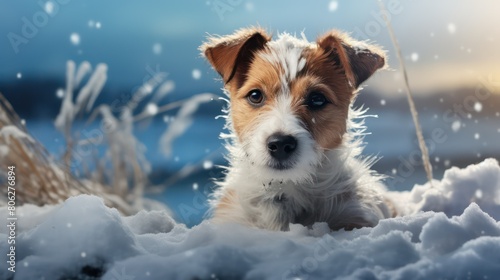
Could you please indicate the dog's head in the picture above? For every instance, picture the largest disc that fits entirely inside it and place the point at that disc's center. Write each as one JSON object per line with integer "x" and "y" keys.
{"x": 290, "y": 98}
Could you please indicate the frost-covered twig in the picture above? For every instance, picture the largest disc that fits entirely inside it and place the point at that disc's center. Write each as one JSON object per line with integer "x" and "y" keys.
{"x": 84, "y": 99}
{"x": 183, "y": 120}
{"x": 414, "y": 113}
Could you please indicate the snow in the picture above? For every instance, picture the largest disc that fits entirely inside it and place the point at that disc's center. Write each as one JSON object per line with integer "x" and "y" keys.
{"x": 455, "y": 126}
{"x": 157, "y": 48}
{"x": 49, "y": 7}
{"x": 333, "y": 6}
{"x": 60, "y": 93}
{"x": 207, "y": 164}
{"x": 452, "y": 28}
{"x": 9, "y": 131}
{"x": 74, "y": 38}
{"x": 450, "y": 231}
{"x": 414, "y": 57}
{"x": 478, "y": 107}
{"x": 152, "y": 109}
{"x": 196, "y": 73}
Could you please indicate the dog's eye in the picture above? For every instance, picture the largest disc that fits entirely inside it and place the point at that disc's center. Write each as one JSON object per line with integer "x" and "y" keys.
{"x": 316, "y": 100}
{"x": 255, "y": 97}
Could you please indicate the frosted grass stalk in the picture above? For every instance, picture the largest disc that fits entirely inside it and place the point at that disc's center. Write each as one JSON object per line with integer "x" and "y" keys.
{"x": 409, "y": 95}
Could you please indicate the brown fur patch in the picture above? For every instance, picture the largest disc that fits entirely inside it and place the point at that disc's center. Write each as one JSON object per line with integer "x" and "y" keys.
{"x": 328, "y": 124}
{"x": 263, "y": 76}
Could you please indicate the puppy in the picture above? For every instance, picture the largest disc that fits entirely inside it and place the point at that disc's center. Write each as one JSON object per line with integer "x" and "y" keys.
{"x": 294, "y": 149}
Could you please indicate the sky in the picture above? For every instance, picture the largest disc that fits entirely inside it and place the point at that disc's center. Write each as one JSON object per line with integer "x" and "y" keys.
{"x": 445, "y": 44}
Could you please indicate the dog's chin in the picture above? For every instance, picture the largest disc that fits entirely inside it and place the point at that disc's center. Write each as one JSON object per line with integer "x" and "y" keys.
{"x": 280, "y": 166}
{"x": 284, "y": 172}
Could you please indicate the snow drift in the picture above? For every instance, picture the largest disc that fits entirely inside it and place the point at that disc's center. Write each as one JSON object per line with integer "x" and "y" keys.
{"x": 84, "y": 239}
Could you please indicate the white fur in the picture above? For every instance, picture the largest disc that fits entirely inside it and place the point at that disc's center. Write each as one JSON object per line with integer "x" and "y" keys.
{"x": 287, "y": 51}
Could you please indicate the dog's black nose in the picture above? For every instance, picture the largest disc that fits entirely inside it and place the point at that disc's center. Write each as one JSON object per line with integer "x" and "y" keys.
{"x": 281, "y": 146}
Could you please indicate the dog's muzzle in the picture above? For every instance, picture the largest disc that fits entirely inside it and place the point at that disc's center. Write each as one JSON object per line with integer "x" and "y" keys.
{"x": 281, "y": 147}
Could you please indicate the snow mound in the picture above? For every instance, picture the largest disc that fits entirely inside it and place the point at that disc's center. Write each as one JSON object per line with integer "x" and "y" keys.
{"x": 84, "y": 239}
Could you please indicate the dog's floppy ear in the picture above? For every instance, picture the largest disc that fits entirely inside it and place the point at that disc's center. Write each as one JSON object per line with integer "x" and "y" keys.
{"x": 359, "y": 59}
{"x": 231, "y": 55}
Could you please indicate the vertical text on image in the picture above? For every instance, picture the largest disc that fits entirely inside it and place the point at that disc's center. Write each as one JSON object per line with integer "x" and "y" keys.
{"x": 11, "y": 218}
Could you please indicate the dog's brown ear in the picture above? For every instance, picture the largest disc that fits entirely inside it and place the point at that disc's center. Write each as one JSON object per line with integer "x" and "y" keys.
{"x": 231, "y": 55}
{"x": 359, "y": 59}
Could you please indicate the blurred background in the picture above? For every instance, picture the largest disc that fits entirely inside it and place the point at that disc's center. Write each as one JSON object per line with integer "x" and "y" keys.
{"x": 451, "y": 52}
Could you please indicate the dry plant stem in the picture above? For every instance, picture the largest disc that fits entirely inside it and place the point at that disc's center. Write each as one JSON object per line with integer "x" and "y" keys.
{"x": 414, "y": 113}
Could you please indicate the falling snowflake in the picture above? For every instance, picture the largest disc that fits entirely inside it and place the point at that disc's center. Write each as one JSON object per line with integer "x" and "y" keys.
{"x": 196, "y": 73}
{"x": 437, "y": 159}
{"x": 49, "y": 7}
{"x": 414, "y": 57}
{"x": 478, "y": 107}
{"x": 455, "y": 126}
{"x": 476, "y": 136}
{"x": 382, "y": 102}
{"x": 157, "y": 48}
{"x": 91, "y": 24}
{"x": 333, "y": 6}
{"x": 83, "y": 254}
{"x": 152, "y": 109}
{"x": 207, "y": 164}
{"x": 60, "y": 93}
{"x": 452, "y": 28}
{"x": 74, "y": 38}
{"x": 249, "y": 6}
{"x": 447, "y": 163}
{"x": 98, "y": 25}
{"x": 176, "y": 159}
{"x": 147, "y": 88}
{"x": 394, "y": 171}
{"x": 19, "y": 75}
{"x": 479, "y": 194}
{"x": 195, "y": 186}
